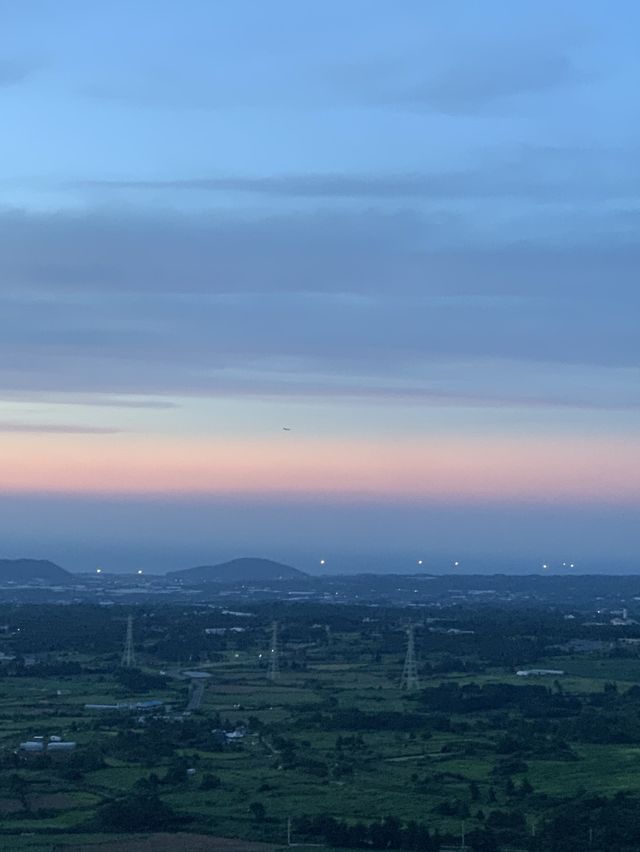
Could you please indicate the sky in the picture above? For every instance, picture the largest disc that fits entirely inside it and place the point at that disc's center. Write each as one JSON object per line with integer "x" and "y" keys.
{"x": 407, "y": 232}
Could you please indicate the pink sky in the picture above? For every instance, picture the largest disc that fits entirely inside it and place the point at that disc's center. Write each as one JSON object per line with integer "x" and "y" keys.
{"x": 443, "y": 468}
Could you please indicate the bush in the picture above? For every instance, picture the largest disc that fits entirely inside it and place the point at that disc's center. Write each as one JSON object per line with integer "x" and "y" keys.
{"x": 139, "y": 812}
{"x": 210, "y": 782}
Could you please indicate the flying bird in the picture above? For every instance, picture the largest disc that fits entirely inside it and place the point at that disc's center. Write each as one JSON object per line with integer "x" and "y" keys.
{"x": 286, "y": 428}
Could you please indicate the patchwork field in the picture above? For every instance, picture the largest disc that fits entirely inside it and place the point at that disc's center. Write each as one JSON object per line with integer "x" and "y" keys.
{"x": 333, "y": 735}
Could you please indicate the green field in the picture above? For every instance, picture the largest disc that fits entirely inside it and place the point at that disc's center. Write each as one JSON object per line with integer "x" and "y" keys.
{"x": 439, "y": 768}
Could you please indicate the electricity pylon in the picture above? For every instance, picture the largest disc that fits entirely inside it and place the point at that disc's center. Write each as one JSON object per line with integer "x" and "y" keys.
{"x": 128, "y": 653}
{"x": 274, "y": 653}
{"x": 410, "y": 680}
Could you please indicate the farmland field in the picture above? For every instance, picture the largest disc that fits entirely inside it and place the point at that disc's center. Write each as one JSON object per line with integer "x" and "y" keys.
{"x": 330, "y": 734}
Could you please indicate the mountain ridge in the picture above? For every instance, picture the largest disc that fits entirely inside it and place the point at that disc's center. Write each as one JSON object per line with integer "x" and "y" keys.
{"x": 24, "y": 570}
{"x": 243, "y": 569}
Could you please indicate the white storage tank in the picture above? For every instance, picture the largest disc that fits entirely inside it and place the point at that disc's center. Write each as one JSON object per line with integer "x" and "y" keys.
{"x": 32, "y": 745}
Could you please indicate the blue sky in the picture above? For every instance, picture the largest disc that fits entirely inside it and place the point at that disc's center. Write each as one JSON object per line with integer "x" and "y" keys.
{"x": 408, "y": 227}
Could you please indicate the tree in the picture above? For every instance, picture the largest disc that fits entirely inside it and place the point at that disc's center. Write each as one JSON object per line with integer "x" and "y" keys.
{"x": 139, "y": 812}
{"x": 19, "y": 787}
{"x": 481, "y": 840}
{"x": 526, "y": 787}
{"x": 258, "y": 811}
{"x": 176, "y": 771}
{"x": 210, "y": 782}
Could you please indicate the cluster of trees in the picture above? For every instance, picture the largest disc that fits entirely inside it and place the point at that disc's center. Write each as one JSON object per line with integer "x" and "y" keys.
{"x": 533, "y": 699}
{"x": 391, "y": 833}
{"x": 140, "y": 811}
{"x": 449, "y": 663}
{"x": 55, "y": 668}
{"x": 535, "y": 720}
{"x": 85, "y": 628}
{"x": 158, "y": 739}
{"x": 175, "y": 775}
{"x": 353, "y": 719}
{"x": 593, "y": 726}
{"x": 137, "y": 681}
{"x": 388, "y": 833}
{"x": 593, "y": 823}
{"x": 482, "y": 635}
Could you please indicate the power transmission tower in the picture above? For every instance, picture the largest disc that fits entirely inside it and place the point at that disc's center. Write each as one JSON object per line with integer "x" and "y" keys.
{"x": 128, "y": 653}
{"x": 274, "y": 667}
{"x": 410, "y": 680}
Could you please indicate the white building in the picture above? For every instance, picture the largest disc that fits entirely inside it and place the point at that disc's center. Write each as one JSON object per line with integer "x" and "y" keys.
{"x": 539, "y": 672}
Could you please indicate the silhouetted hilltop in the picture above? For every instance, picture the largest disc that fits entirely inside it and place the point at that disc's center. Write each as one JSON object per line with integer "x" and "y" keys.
{"x": 247, "y": 569}
{"x": 26, "y": 570}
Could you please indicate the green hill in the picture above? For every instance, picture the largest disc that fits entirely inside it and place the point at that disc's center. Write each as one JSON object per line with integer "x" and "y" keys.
{"x": 30, "y": 570}
{"x": 247, "y": 569}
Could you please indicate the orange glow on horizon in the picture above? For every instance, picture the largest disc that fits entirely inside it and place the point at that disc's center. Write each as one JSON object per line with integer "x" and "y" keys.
{"x": 445, "y": 469}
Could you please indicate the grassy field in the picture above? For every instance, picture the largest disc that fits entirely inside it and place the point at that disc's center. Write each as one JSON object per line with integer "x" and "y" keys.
{"x": 412, "y": 775}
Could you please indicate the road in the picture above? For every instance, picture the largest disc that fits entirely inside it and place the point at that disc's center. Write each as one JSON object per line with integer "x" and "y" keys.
{"x": 197, "y": 692}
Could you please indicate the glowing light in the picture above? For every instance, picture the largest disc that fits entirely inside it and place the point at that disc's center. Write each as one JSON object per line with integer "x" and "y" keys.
{"x": 545, "y": 566}
{"x": 140, "y": 571}
{"x": 419, "y": 561}
{"x": 455, "y": 564}
{"x": 98, "y": 570}
{"x": 322, "y": 561}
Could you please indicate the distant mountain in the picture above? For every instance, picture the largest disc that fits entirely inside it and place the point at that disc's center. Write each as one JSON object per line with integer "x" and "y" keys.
{"x": 28, "y": 570}
{"x": 248, "y": 569}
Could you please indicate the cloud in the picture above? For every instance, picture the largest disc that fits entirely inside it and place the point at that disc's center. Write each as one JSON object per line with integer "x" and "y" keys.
{"x": 88, "y": 400}
{"x": 462, "y": 78}
{"x": 346, "y": 303}
{"x": 12, "y": 72}
{"x": 477, "y": 82}
{"x": 458, "y": 184}
{"x": 103, "y": 252}
{"x": 430, "y": 72}
{"x": 56, "y": 429}
{"x": 527, "y": 174}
